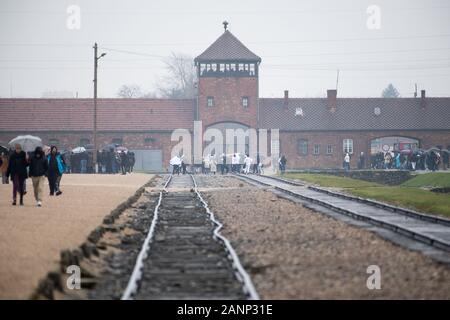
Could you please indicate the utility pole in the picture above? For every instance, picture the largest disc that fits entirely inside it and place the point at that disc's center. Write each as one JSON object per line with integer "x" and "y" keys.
{"x": 96, "y": 58}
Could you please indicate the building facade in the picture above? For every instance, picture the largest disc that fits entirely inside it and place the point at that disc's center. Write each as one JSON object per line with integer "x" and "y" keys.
{"x": 314, "y": 132}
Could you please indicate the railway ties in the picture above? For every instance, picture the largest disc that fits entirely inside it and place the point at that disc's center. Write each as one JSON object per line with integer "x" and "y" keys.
{"x": 184, "y": 260}
{"x": 417, "y": 227}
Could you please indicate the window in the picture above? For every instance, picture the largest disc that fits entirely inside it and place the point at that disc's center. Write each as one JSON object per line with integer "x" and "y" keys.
{"x": 84, "y": 141}
{"x": 348, "y": 146}
{"x": 53, "y": 142}
{"x": 245, "y": 102}
{"x": 118, "y": 141}
{"x": 317, "y": 149}
{"x": 329, "y": 149}
{"x": 252, "y": 69}
{"x": 302, "y": 147}
{"x": 210, "y": 101}
{"x": 202, "y": 68}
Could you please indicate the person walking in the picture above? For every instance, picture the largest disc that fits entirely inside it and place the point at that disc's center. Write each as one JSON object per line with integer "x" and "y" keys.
{"x": 17, "y": 170}
{"x": 414, "y": 159}
{"x": 124, "y": 162}
{"x": 361, "y": 161}
{"x": 248, "y": 164}
{"x": 207, "y": 164}
{"x": 213, "y": 164}
{"x": 282, "y": 163}
{"x": 4, "y": 167}
{"x": 224, "y": 168}
{"x": 445, "y": 159}
{"x": 176, "y": 163}
{"x": 38, "y": 171}
{"x": 256, "y": 165}
{"x": 397, "y": 161}
{"x": 132, "y": 161}
{"x": 347, "y": 162}
{"x": 234, "y": 163}
{"x": 56, "y": 168}
{"x": 387, "y": 160}
{"x": 84, "y": 162}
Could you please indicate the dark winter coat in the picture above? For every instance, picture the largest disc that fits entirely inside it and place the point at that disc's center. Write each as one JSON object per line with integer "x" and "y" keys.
{"x": 17, "y": 165}
{"x": 38, "y": 166}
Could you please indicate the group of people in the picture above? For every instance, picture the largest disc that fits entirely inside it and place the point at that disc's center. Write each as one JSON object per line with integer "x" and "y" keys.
{"x": 416, "y": 160}
{"x": 109, "y": 161}
{"x": 211, "y": 164}
{"x": 18, "y": 166}
{"x": 112, "y": 161}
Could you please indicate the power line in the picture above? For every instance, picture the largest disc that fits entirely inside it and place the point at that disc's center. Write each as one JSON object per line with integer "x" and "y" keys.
{"x": 355, "y": 62}
{"x": 197, "y": 12}
{"x": 355, "y": 52}
{"x": 134, "y": 52}
{"x": 252, "y": 42}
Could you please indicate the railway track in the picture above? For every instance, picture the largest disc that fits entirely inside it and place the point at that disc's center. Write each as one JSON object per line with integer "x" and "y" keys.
{"x": 184, "y": 256}
{"x": 427, "y": 229}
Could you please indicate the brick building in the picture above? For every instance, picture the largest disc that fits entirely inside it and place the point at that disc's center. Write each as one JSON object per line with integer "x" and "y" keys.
{"x": 314, "y": 132}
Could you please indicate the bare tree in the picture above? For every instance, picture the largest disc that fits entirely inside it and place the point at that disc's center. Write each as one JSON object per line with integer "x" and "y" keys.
{"x": 130, "y": 92}
{"x": 180, "y": 81}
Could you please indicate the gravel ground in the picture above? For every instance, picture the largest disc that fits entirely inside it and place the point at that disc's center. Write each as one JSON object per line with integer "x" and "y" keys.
{"x": 31, "y": 238}
{"x": 294, "y": 253}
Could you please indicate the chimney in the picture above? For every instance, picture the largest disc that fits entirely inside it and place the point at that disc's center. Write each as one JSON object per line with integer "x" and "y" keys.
{"x": 332, "y": 100}
{"x": 423, "y": 102}
{"x": 286, "y": 99}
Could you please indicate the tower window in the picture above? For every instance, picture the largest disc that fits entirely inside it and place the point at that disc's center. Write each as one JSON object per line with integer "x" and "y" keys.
{"x": 210, "y": 101}
{"x": 252, "y": 69}
{"x": 245, "y": 102}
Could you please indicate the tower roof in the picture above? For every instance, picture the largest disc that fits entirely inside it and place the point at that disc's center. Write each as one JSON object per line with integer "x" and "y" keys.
{"x": 227, "y": 48}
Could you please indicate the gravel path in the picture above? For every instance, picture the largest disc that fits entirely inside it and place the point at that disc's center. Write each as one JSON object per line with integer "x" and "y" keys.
{"x": 294, "y": 253}
{"x": 31, "y": 238}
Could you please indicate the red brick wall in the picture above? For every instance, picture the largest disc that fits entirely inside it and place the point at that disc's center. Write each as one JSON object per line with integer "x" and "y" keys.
{"x": 361, "y": 142}
{"x": 228, "y": 93}
{"x": 288, "y": 143}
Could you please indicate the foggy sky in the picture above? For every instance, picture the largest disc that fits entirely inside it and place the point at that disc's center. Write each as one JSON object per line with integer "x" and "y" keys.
{"x": 301, "y": 43}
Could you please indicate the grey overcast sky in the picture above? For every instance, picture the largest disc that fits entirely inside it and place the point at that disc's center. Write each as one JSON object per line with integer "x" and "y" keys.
{"x": 301, "y": 43}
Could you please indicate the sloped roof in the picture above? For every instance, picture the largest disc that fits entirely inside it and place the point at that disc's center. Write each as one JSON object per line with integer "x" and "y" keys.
{"x": 33, "y": 115}
{"x": 356, "y": 114}
{"x": 227, "y": 48}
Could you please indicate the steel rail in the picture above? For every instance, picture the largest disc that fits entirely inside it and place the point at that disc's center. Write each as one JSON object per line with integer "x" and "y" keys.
{"x": 393, "y": 227}
{"x": 240, "y": 272}
{"x": 136, "y": 275}
{"x": 374, "y": 203}
{"x": 378, "y": 204}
